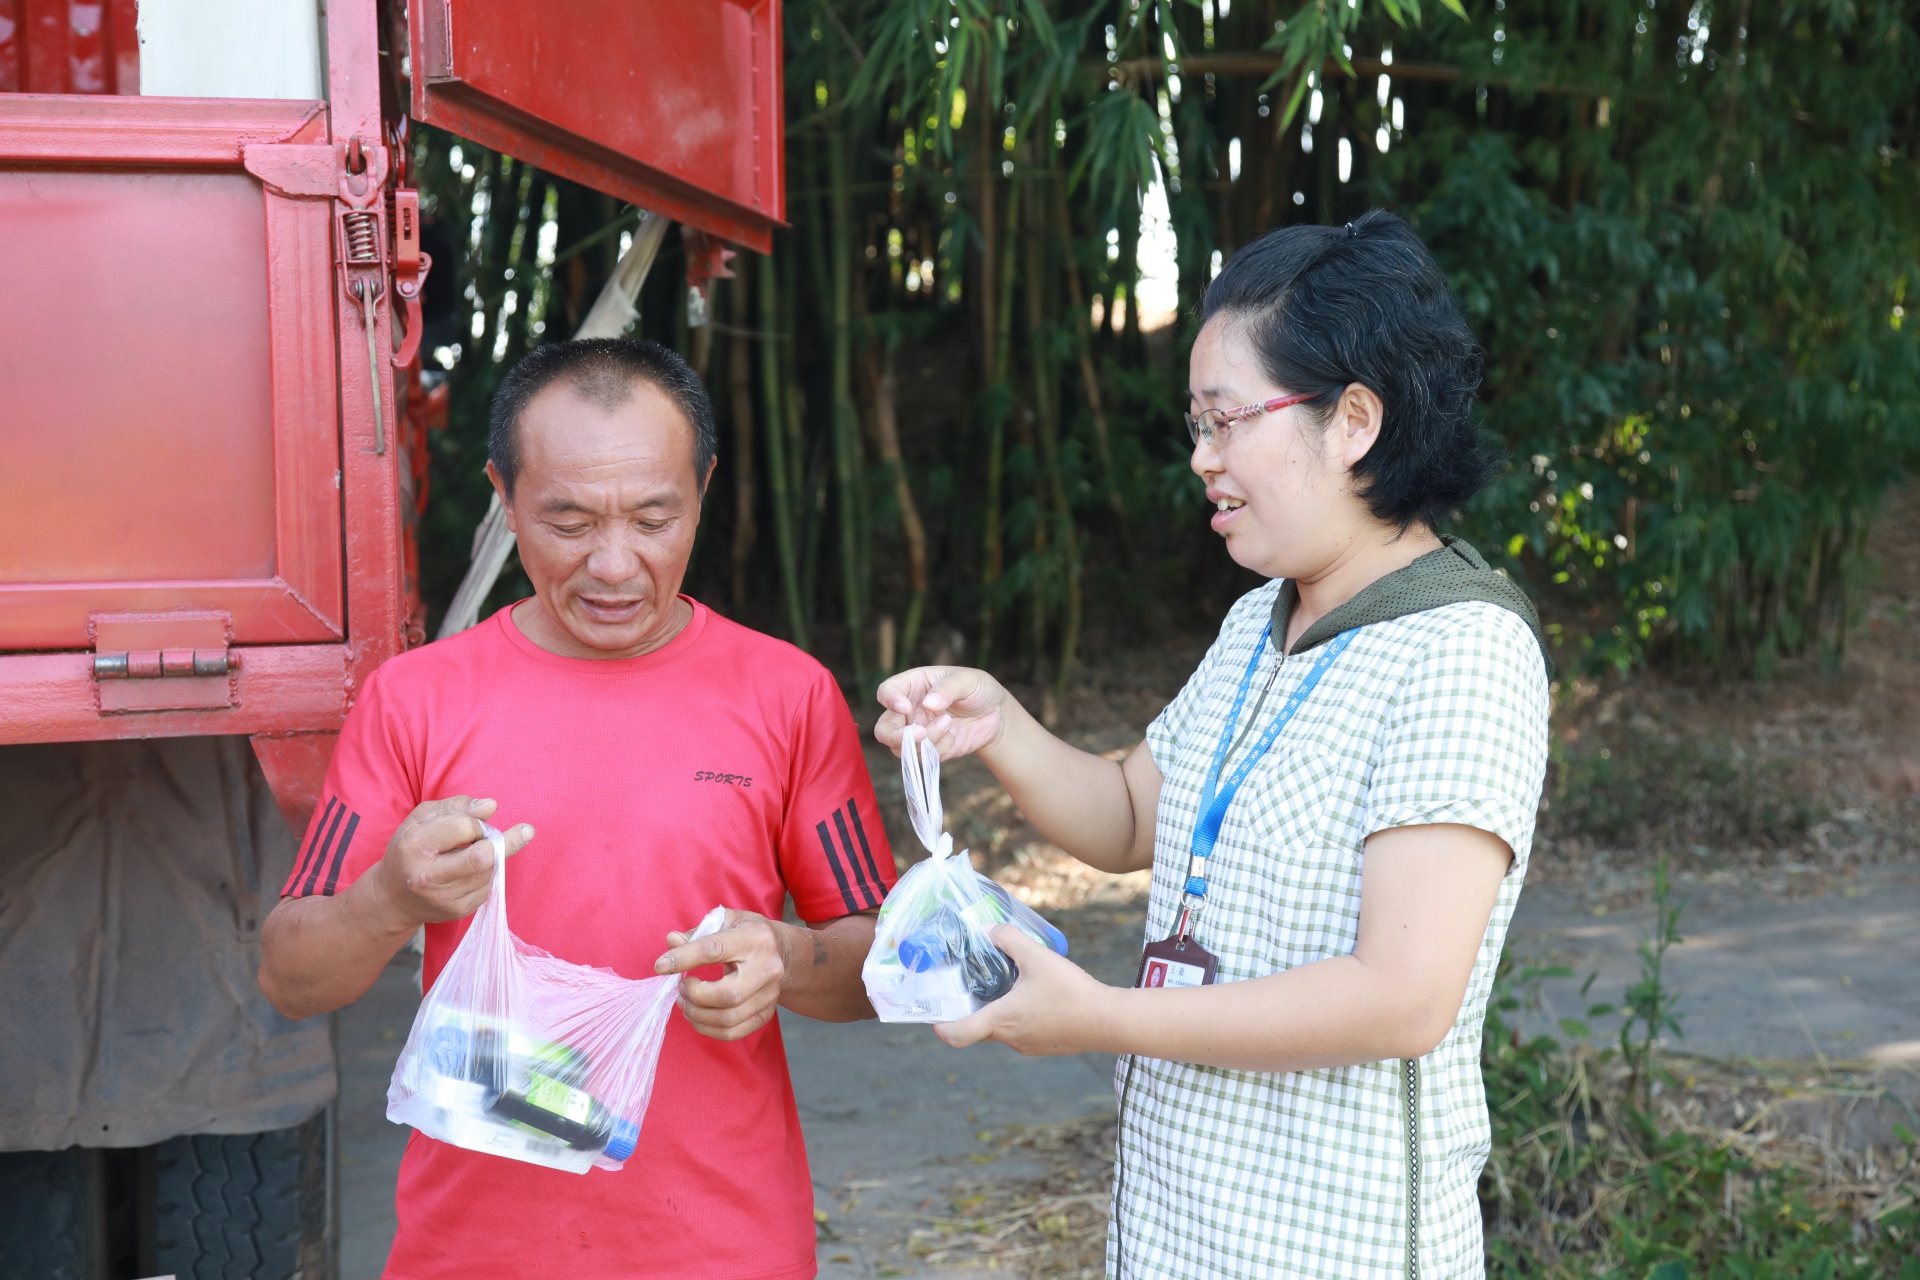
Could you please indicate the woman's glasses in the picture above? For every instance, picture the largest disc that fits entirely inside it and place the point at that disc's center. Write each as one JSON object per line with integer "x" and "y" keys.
{"x": 1214, "y": 425}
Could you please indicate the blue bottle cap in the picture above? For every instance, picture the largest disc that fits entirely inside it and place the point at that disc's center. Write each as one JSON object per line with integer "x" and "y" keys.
{"x": 626, "y": 1134}
{"x": 923, "y": 951}
{"x": 448, "y": 1050}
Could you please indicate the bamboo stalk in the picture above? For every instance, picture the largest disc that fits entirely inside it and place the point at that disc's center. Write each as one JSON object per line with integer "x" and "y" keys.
{"x": 794, "y": 399}
{"x": 740, "y": 378}
{"x": 846, "y": 425}
{"x": 495, "y": 171}
{"x": 819, "y": 469}
{"x": 992, "y": 413}
{"x": 528, "y": 215}
{"x": 1089, "y": 376}
{"x": 1046, "y": 401}
{"x": 1132, "y": 346}
{"x": 886, "y": 433}
{"x": 998, "y": 405}
{"x": 779, "y": 475}
{"x": 820, "y": 451}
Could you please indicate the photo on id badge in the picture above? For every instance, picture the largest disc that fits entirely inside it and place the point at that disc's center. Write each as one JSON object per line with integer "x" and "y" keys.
{"x": 1172, "y": 962}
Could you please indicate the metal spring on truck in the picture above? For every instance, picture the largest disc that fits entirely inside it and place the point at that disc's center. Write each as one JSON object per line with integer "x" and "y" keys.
{"x": 363, "y": 237}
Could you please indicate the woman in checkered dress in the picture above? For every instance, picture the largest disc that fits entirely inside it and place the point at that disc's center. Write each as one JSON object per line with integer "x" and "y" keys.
{"x": 1337, "y": 808}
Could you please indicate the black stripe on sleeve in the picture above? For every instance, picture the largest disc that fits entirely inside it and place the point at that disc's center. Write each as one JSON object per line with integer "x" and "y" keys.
{"x": 339, "y": 857}
{"x": 833, "y": 860}
{"x": 313, "y": 841}
{"x": 859, "y": 876}
{"x": 866, "y": 851}
{"x": 320, "y": 859}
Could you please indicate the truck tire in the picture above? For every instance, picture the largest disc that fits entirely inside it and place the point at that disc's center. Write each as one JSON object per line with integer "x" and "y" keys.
{"x": 247, "y": 1206}
{"x": 52, "y": 1214}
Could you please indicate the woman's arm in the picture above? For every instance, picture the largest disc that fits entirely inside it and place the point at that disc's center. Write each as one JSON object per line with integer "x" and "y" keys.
{"x": 1427, "y": 893}
{"x": 1099, "y": 811}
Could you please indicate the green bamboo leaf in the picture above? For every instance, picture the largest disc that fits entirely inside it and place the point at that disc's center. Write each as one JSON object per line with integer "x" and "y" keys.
{"x": 1293, "y": 101}
{"x": 1040, "y": 22}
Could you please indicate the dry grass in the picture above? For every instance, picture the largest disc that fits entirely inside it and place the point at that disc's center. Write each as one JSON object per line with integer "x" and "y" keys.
{"x": 1052, "y": 1224}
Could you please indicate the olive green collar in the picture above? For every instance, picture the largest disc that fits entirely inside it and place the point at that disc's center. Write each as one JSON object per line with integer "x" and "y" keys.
{"x": 1450, "y": 575}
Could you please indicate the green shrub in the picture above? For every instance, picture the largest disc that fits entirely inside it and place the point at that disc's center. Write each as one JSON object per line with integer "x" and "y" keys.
{"x": 1644, "y": 790}
{"x": 1588, "y": 1178}
{"x": 1689, "y": 236}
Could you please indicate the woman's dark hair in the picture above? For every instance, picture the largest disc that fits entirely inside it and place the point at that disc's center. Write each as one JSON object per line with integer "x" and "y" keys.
{"x": 1324, "y": 307}
{"x": 605, "y": 371}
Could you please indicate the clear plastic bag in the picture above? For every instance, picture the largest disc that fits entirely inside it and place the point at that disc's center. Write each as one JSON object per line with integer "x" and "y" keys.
{"x": 518, "y": 1053}
{"x": 933, "y": 959}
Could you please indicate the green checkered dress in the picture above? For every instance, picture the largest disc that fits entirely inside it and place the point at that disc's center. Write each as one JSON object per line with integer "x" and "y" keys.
{"x": 1364, "y": 1171}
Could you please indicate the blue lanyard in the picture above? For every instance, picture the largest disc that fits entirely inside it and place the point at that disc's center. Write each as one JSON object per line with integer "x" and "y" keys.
{"x": 1215, "y": 797}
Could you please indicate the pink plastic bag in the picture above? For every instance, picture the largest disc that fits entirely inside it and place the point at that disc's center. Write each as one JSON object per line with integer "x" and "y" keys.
{"x": 518, "y": 1053}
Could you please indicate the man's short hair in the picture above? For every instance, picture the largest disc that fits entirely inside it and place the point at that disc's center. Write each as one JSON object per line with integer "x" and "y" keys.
{"x": 603, "y": 371}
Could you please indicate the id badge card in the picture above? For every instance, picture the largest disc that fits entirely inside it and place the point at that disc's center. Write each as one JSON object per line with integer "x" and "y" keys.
{"x": 1176, "y": 962}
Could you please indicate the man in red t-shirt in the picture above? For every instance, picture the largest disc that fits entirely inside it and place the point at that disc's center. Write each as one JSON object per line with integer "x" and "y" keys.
{"x": 671, "y": 760}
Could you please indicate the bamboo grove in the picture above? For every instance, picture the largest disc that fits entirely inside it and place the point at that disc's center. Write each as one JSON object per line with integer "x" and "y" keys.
{"x": 1686, "y": 232}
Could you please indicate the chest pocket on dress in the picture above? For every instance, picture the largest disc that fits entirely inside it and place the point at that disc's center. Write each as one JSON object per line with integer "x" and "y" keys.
{"x": 1288, "y": 800}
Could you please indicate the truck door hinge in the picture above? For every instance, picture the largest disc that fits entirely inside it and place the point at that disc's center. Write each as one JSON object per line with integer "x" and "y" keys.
{"x": 163, "y": 661}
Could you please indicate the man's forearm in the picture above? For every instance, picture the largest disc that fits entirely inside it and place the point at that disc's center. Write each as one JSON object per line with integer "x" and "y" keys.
{"x": 320, "y": 953}
{"x": 822, "y": 978}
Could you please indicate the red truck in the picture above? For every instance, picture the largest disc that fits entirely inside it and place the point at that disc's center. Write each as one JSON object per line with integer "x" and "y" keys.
{"x": 210, "y": 279}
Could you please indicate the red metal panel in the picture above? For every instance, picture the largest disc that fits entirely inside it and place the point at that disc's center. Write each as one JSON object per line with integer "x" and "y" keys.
{"x": 169, "y": 455}
{"x": 307, "y": 479}
{"x": 53, "y": 697}
{"x": 375, "y": 591}
{"x": 208, "y": 462}
{"x": 12, "y": 42}
{"x": 123, "y": 41}
{"x": 296, "y": 769}
{"x": 148, "y": 132}
{"x": 88, "y": 57}
{"x": 69, "y": 46}
{"x": 278, "y": 342}
{"x": 46, "y": 25}
{"x": 335, "y": 522}
{"x": 673, "y": 105}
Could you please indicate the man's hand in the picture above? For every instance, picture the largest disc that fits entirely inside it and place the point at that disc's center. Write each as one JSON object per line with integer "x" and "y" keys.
{"x": 439, "y": 865}
{"x": 1054, "y": 1008}
{"x": 319, "y": 953}
{"x": 758, "y": 954}
{"x": 814, "y": 971}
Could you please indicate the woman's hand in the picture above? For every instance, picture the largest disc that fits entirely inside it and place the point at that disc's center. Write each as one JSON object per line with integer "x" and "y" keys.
{"x": 1055, "y": 1008}
{"x": 961, "y": 709}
